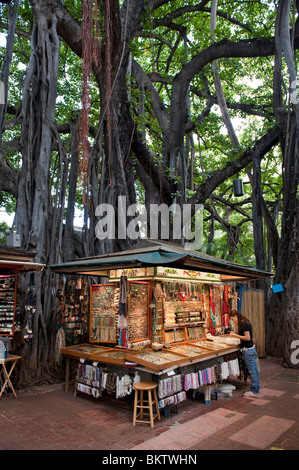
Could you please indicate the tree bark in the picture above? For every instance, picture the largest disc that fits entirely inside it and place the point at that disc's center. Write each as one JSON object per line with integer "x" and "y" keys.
{"x": 117, "y": 178}
{"x": 282, "y": 319}
{"x": 12, "y": 19}
{"x": 283, "y": 309}
{"x": 34, "y": 201}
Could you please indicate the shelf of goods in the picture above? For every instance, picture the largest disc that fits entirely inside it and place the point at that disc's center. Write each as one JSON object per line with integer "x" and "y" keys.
{"x": 104, "y": 309}
{"x": 73, "y": 308}
{"x": 181, "y": 334}
{"x": 8, "y": 285}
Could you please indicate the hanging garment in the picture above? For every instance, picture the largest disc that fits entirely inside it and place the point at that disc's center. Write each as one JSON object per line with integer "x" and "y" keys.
{"x": 123, "y": 306}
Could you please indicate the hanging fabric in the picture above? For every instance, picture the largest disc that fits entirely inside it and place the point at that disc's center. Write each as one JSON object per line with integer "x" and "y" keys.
{"x": 242, "y": 288}
{"x": 212, "y": 311}
{"x": 123, "y": 306}
{"x": 225, "y": 306}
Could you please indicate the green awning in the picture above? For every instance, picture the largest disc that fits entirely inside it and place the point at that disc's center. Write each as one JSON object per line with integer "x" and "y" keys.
{"x": 158, "y": 258}
{"x": 158, "y": 253}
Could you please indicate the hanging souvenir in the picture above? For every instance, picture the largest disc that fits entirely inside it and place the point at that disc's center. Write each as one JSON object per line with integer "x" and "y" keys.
{"x": 73, "y": 307}
{"x": 123, "y": 306}
{"x": 212, "y": 311}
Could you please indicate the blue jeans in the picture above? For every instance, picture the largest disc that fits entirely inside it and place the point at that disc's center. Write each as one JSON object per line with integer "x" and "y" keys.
{"x": 250, "y": 361}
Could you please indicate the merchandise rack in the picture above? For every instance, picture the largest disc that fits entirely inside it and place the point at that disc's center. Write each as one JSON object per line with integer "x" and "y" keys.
{"x": 8, "y": 290}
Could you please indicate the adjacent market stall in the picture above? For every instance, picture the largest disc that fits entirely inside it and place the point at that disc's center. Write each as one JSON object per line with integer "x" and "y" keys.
{"x": 13, "y": 261}
{"x": 162, "y": 314}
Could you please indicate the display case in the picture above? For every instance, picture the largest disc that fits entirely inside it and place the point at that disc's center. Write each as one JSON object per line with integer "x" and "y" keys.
{"x": 182, "y": 334}
{"x": 104, "y": 300}
{"x": 85, "y": 351}
{"x": 217, "y": 347}
{"x": 104, "y": 307}
{"x": 196, "y": 332}
{"x": 192, "y": 351}
{"x": 174, "y": 335}
{"x": 113, "y": 356}
{"x": 95, "y": 353}
{"x": 73, "y": 310}
{"x": 8, "y": 290}
{"x": 157, "y": 360}
{"x": 138, "y": 311}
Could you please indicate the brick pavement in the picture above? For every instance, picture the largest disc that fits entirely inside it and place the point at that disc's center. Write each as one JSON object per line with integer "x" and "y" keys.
{"x": 47, "y": 418}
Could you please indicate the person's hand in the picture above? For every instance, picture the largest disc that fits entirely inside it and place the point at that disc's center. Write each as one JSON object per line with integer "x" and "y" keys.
{"x": 232, "y": 333}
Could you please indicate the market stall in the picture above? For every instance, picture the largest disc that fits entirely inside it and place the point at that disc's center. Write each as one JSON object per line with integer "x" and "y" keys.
{"x": 162, "y": 315}
{"x": 12, "y": 262}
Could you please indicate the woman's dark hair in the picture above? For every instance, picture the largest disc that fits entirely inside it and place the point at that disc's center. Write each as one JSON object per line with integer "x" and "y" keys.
{"x": 241, "y": 318}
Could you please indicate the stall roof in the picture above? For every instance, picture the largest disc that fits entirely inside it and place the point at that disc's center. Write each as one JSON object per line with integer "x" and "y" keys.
{"x": 159, "y": 253}
{"x": 15, "y": 260}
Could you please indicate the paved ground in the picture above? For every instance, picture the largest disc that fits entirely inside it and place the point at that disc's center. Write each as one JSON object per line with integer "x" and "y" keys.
{"x": 47, "y": 418}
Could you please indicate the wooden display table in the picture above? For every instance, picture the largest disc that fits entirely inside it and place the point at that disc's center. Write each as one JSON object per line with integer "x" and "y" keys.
{"x": 7, "y": 373}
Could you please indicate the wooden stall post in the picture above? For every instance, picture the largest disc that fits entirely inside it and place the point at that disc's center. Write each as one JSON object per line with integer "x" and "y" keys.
{"x": 253, "y": 308}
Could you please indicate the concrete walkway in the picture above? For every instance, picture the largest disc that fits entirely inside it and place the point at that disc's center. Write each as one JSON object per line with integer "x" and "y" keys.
{"x": 47, "y": 418}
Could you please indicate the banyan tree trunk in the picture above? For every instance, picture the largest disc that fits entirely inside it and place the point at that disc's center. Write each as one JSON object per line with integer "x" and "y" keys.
{"x": 34, "y": 196}
{"x": 282, "y": 326}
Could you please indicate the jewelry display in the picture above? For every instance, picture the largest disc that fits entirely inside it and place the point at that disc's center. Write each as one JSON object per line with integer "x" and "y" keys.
{"x": 119, "y": 322}
{"x": 158, "y": 326}
{"x": 170, "y": 386}
{"x": 138, "y": 311}
{"x": 191, "y": 381}
{"x": 175, "y": 335}
{"x": 86, "y": 350}
{"x": 123, "y": 386}
{"x": 173, "y": 400}
{"x": 73, "y": 309}
{"x": 230, "y": 368}
{"x": 157, "y": 360}
{"x": 190, "y": 350}
{"x": 92, "y": 380}
{"x": 196, "y": 332}
{"x": 104, "y": 308}
{"x": 113, "y": 357}
{"x": 7, "y": 305}
{"x": 213, "y": 346}
{"x": 139, "y": 344}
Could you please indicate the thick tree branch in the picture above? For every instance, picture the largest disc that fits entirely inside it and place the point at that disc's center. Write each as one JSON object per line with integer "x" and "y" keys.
{"x": 261, "y": 147}
{"x": 8, "y": 178}
{"x": 225, "y": 48}
{"x": 157, "y": 104}
{"x": 146, "y": 161}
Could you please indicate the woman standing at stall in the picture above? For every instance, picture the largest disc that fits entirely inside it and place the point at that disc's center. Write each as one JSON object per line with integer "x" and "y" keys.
{"x": 248, "y": 349}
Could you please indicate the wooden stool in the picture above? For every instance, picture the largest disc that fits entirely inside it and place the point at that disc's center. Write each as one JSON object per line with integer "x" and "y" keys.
{"x": 207, "y": 391}
{"x": 140, "y": 402}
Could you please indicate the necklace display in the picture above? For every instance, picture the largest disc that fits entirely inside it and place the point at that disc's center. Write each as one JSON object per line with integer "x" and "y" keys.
{"x": 170, "y": 386}
{"x": 73, "y": 307}
{"x": 104, "y": 307}
{"x": 188, "y": 349}
{"x": 92, "y": 380}
{"x": 172, "y": 400}
{"x": 137, "y": 319}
